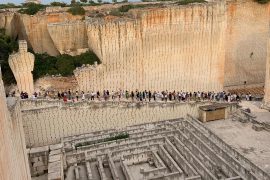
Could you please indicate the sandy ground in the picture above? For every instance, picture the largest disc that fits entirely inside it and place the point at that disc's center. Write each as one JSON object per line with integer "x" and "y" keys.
{"x": 255, "y": 145}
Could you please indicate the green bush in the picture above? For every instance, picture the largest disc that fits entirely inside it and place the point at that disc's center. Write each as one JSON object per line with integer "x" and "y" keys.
{"x": 185, "y": 2}
{"x": 76, "y": 10}
{"x": 62, "y": 64}
{"x": 31, "y": 8}
{"x": 62, "y": 4}
{"x": 262, "y": 1}
{"x": 126, "y": 8}
{"x": 8, "y": 5}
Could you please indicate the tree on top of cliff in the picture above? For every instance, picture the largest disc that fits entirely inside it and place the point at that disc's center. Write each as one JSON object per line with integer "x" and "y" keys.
{"x": 62, "y": 4}
{"x": 76, "y": 10}
{"x": 262, "y": 1}
{"x": 31, "y": 8}
{"x": 185, "y": 2}
{"x": 8, "y": 5}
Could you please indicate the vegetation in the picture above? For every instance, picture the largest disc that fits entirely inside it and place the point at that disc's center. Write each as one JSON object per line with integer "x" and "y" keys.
{"x": 185, "y": 2}
{"x": 62, "y": 4}
{"x": 7, "y": 46}
{"x": 76, "y": 10}
{"x": 8, "y": 5}
{"x": 112, "y": 138}
{"x": 62, "y": 64}
{"x": 31, "y": 8}
{"x": 262, "y": 1}
{"x": 125, "y": 8}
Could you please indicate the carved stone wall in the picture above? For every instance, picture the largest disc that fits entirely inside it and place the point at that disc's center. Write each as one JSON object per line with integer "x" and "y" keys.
{"x": 13, "y": 157}
{"x": 171, "y": 48}
{"x": 22, "y": 65}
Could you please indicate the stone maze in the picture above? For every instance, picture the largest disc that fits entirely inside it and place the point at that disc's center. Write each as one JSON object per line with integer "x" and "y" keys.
{"x": 177, "y": 149}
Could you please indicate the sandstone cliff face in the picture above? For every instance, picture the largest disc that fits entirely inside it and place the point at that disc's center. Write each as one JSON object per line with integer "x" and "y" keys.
{"x": 69, "y": 37}
{"x": 246, "y": 42}
{"x": 172, "y": 48}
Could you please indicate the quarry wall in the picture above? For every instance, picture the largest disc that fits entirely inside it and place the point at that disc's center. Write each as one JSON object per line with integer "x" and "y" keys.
{"x": 158, "y": 44}
{"x": 171, "y": 48}
{"x": 246, "y": 42}
{"x": 13, "y": 157}
{"x": 46, "y": 122}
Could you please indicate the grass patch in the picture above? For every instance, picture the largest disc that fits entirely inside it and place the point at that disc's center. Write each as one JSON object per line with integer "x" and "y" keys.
{"x": 112, "y": 138}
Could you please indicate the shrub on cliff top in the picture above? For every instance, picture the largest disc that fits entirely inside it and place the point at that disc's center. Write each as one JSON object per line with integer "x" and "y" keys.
{"x": 76, "y": 10}
{"x": 8, "y": 5}
{"x": 62, "y": 4}
{"x": 126, "y": 8}
{"x": 185, "y": 2}
{"x": 31, "y": 8}
{"x": 262, "y": 1}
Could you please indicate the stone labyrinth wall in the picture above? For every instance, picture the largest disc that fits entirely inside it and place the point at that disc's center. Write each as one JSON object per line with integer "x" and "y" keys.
{"x": 47, "y": 125}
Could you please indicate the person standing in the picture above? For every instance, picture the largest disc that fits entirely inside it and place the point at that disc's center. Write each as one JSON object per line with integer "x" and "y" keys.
{"x": 83, "y": 96}
{"x": 77, "y": 95}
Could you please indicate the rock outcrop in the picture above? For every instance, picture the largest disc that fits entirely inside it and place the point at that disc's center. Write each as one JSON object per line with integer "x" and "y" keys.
{"x": 22, "y": 65}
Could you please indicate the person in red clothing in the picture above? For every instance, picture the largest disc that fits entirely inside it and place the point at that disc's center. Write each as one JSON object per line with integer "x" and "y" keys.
{"x": 65, "y": 99}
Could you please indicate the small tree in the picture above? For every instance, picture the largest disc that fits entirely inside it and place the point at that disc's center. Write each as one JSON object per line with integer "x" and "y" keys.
{"x": 99, "y": 1}
{"x": 62, "y": 4}
{"x": 73, "y": 2}
{"x": 114, "y": 1}
{"x": 83, "y": 1}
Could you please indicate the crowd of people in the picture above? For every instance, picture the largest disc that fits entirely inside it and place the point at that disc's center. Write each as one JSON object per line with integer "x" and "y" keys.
{"x": 140, "y": 96}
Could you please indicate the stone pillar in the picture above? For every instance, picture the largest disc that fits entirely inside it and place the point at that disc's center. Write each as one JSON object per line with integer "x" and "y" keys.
{"x": 22, "y": 65}
{"x": 267, "y": 78}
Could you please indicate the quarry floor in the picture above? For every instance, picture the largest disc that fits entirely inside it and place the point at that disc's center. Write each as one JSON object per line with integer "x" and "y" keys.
{"x": 254, "y": 145}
